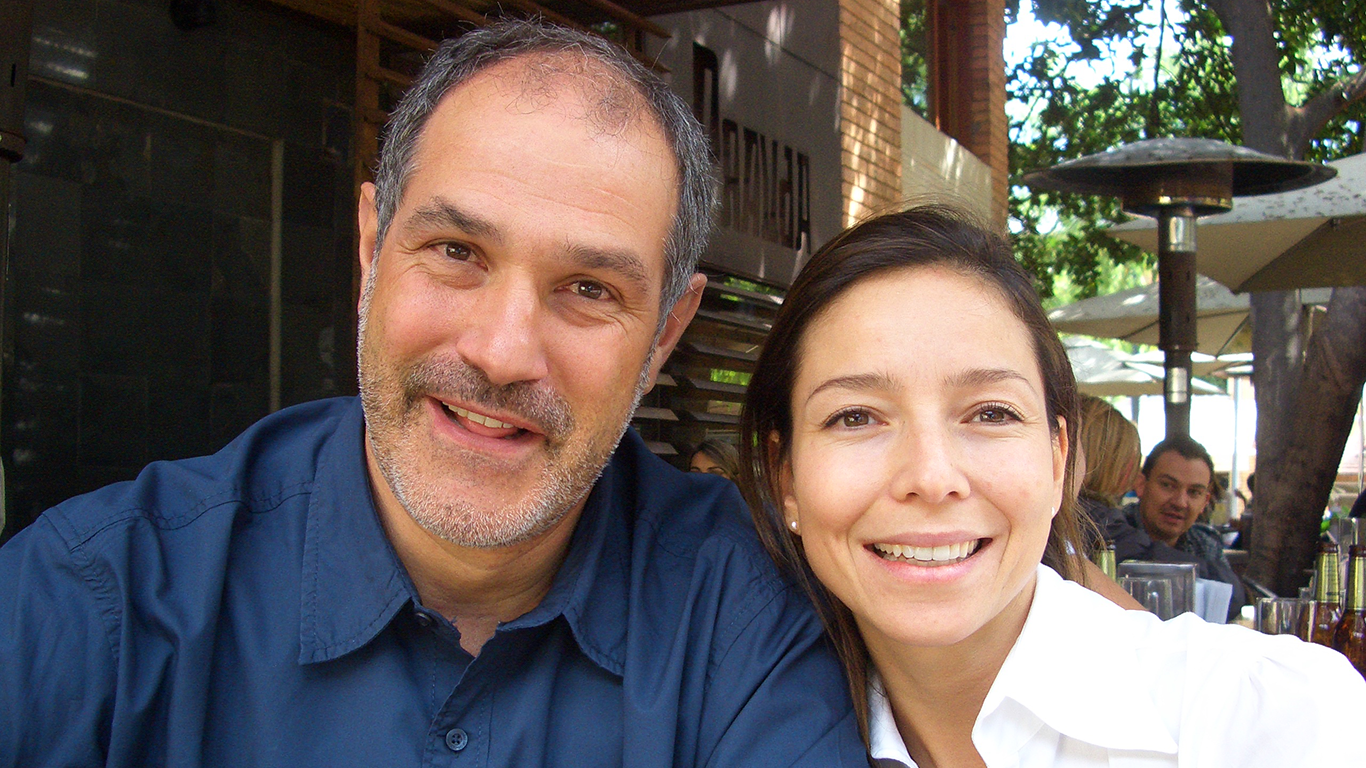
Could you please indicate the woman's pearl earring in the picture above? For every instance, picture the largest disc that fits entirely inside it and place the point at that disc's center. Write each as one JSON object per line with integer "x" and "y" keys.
{"x": 793, "y": 525}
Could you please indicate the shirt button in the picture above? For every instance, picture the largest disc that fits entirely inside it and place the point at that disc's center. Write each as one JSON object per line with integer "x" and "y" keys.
{"x": 424, "y": 620}
{"x": 456, "y": 739}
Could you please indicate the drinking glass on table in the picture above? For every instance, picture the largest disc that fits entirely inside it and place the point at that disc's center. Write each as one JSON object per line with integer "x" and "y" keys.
{"x": 1153, "y": 592}
{"x": 1278, "y": 615}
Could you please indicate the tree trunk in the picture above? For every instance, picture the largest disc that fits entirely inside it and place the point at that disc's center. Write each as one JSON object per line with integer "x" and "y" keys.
{"x": 1304, "y": 409}
{"x": 1321, "y": 420}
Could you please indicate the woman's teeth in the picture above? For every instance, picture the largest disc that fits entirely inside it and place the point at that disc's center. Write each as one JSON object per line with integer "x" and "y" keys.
{"x": 487, "y": 421}
{"x": 946, "y": 554}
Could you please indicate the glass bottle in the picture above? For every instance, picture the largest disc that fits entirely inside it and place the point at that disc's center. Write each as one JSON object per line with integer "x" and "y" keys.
{"x": 1321, "y": 619}
{"x": 1349, "y": 638}
{"x": 1104, "y": 558}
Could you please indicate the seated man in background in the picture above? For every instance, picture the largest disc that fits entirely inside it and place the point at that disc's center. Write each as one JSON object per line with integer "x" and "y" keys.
{"x": 1178, "y": 478}
{"x": 1108, "y": 460}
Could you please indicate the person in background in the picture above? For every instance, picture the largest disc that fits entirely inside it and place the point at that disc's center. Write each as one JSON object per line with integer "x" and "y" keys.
{"x": 907, "y": 453}
{"x": 717, "y": 458}
{"x": 1110, "y": 445}
{"x": 1243, "y": 540}
{"x": 1108, "y": 459}
{"x": 1177, "y": 485}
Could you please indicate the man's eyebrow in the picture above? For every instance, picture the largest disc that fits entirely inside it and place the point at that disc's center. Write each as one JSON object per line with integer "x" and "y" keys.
{"x": 1174, "y": 480}
{"x": 439, "y": 213}
{"x": 624, "y": 263}
{"x": 860, "y": 381}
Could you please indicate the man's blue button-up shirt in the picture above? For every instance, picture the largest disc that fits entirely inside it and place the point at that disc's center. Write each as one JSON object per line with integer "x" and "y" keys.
{"x": 246, "y": 609}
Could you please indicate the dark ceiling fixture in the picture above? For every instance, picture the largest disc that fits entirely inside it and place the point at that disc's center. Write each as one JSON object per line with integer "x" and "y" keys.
{"x": 192, "y": 14}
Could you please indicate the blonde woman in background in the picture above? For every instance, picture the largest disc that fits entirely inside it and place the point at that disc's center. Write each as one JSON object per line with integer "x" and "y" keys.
{"x": 1111, "y": 451}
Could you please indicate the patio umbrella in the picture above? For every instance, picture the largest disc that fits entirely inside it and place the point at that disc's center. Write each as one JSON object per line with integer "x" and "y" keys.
{"x": 1312, "y": 237}
{"x": 1131, "y": 315}
{"x": 1106, "y": 372}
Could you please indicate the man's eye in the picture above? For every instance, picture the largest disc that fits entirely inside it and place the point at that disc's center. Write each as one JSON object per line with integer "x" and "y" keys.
{"x": 457, "y": 251}
{"x": 589, "y": 290}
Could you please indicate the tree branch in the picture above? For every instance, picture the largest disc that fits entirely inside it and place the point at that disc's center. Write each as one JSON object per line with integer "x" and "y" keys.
{"x": 1307, "y": 120}
{"x": 1261, "y": 97}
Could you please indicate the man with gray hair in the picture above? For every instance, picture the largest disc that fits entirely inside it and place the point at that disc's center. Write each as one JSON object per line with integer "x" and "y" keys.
{"x": 476, "y": 562}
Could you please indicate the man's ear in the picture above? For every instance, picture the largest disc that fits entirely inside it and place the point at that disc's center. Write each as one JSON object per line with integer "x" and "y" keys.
{"x": 367, "y": 219}
{"x": 679, "y": 316}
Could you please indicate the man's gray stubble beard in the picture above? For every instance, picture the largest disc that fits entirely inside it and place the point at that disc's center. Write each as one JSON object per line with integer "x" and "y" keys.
{"x": 561, "y": 489}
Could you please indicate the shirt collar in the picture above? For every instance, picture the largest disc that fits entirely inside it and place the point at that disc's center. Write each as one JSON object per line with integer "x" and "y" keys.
{"x": 592, "y": 588}
{"x": 353, "y": 582}
{"x": 1075, "y": 669}
{"x": 884, "y": 740}
{"x": 1088, "y": 689}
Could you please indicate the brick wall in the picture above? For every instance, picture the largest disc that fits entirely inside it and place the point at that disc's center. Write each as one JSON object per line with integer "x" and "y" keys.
{"x": 968, "y": 83}
{"x": 987, "y": 128}
{"x": 870, "y": 106}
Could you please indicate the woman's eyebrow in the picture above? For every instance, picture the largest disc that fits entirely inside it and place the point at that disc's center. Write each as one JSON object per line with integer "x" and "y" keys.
{"x": 977, "y": 377}
{"x": 862, "y": 381}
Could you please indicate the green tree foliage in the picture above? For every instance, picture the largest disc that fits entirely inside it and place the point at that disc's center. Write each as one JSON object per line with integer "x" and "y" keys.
{"x": 915, "y": 62}
{"x": 1134, "y": 70}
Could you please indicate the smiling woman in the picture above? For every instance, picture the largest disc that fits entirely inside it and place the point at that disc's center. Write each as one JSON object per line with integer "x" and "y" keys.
{"x": 907, "y": 453}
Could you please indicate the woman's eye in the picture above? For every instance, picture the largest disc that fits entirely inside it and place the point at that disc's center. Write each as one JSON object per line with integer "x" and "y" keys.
{"x": 996, "y": 414}
{"x": 850, "y": 419}
{"x": 457, "y": 251}
{"x": 589, "y": 290}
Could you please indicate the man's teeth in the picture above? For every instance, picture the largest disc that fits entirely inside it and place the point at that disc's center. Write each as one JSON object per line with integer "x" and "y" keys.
{"x": 487, "y": 421}
{"x": 947, "y": 553}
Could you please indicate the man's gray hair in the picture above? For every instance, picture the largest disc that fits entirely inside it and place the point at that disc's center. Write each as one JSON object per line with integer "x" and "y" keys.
{"x": 459, "y": 59}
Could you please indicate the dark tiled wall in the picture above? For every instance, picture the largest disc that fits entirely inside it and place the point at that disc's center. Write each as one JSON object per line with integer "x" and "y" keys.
{"x": 138, "y": 298}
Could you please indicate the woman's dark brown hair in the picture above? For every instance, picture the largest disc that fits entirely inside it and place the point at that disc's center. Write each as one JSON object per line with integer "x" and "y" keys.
{"x": 924, "y": 236}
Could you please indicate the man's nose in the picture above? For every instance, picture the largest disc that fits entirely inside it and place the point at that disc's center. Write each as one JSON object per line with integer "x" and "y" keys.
{"x": 501, "y": 333}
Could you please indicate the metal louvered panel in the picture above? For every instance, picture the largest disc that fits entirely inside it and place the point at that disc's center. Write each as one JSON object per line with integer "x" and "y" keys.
{"x": 712, "y": 364}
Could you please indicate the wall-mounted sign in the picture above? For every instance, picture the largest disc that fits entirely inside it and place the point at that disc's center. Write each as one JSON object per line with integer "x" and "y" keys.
{"x": 762, "y": 79}
{"x": 766, "y": 184}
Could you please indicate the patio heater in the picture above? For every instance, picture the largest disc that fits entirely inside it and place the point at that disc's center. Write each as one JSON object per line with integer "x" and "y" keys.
{"x": 1177, "y": 181}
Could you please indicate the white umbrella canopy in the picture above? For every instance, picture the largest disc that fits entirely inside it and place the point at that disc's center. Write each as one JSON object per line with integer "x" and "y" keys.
{"x": 1201, "y": 363}
{"x": 1106, "y": 372}
{"x": 1308, "y": 238}
{"x": 1131, "y": 315}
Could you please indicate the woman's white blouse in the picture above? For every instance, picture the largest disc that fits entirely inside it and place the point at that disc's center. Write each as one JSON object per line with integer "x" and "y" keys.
{"x": 1091, "y": 684}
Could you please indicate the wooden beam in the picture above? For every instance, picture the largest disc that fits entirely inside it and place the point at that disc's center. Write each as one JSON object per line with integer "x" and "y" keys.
{"x": 399, "y": 35}
{"x": 383, "y": 75}
{"x": 621, "y": 14}
{"x": 539, "y": 10}
{"x": 325, "y": 11}
{"x": 374, "y": 116}
{"x": 458, "y": 11}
